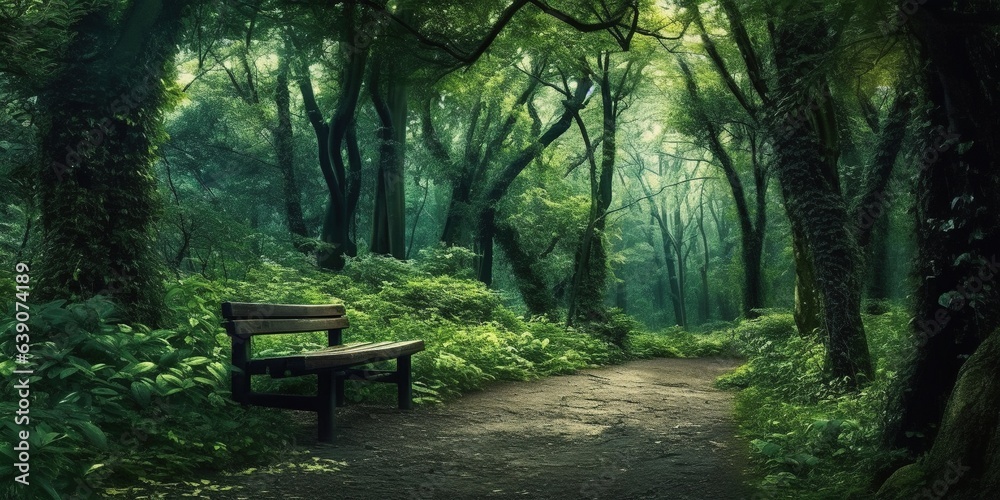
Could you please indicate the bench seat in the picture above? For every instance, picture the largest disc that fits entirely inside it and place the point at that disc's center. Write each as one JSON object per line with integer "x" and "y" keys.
{"x": 338, "y": 356}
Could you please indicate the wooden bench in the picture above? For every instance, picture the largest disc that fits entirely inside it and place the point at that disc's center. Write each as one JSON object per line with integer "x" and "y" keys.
{"x": 332, "y": 365}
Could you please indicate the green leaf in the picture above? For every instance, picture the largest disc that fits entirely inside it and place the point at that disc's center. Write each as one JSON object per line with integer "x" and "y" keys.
{"x": 169, "y": 358}
{"x": 196, "y": 360}
{"x": 140, "y": 391}
{"x": 165, "y": 378}
{"x": 138, "y": 368}
{"x": 93, "y": 434}
{"x": 205, "y": 381}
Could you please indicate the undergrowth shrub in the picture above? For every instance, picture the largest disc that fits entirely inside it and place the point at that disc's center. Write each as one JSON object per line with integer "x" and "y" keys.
{"x": 677, "y": 342}
{"x": 615, "y": 328}
{"x": 810, "y": 437}
{"x": 113, "y": 401}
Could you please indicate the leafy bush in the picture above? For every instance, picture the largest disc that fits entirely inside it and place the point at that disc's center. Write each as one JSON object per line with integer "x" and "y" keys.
{"x": 810, "y": 438}
{"x": 471, "y": 337}
{"x": 615, "y": 329}
{"x": 111, "y": 400}
{"x": 447, "y": 261}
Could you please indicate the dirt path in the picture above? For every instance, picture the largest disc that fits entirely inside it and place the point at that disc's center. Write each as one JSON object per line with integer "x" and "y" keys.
{"x": 646, "y": 429}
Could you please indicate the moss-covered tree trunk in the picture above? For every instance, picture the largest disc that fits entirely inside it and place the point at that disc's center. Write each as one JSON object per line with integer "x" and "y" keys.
{"x": 964, "y": 462}
{"x": 806, "y": 152}
{"x": 957, "y": 303}
{"x": 530, "y": 283}
{"x": 97, "y": 187}
{"x": 591, "y": 270}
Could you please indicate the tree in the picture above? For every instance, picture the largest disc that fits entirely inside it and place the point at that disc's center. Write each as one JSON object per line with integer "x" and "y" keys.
{"x": 752, "y": 223}
{"x": 806, "y": 166}
{"x": 957, "y": 233}
{"x": 338, "y": 136}
{"x": 389, "y": 72}
{"x": 102, "y": 126}
{"x": 586, "y": 295}
{"x": 796, "y": 113}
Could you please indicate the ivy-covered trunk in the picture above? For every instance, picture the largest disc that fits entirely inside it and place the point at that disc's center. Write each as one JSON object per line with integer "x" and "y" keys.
{"x": 957, "y": 303}
{"x": 586, "y": 297}
{"x": 97, "y": 186}
{"x": 804, "y": 138}
{"x": 530, "y": 283}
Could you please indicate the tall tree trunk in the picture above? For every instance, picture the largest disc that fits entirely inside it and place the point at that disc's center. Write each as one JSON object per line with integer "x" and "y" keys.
{"x": 98, "y": 139}
{"x": 878, "y": 262}
{"x": 285, "y": 147}
{"x": 590, "y": 275}
{"x": 484, "y": 245}
{"x": 872, "y": 211}
{"x": 457, "y": 224}
{"x": 660, "y": 285}
{"x": 806, "y": 154}
{"x": 726, "y": 310}
{"x": 676, "y": 297}
{"x": 957, "y": 304}
{"x": 678, "y": 247}
{"x": 389, "y": 224}
{"x": 332, "y": 138}
{"x": 704, "y": 307}
{"x": 751, "y": 236}
{"x": 659, "y": 215}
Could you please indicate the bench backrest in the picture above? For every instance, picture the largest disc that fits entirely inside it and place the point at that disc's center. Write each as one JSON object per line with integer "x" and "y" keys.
{"x": 244, "y": 319}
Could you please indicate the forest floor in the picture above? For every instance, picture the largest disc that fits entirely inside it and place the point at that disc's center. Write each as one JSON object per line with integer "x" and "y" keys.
{"x": 645, "y": 429}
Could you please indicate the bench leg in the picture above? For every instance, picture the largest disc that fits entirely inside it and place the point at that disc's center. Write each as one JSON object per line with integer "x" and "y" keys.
{"x": 240, "y": 379}
{"x": 339, "y": 387}
{"x": 327, "y": 405}
{"x": 403, "y": 383}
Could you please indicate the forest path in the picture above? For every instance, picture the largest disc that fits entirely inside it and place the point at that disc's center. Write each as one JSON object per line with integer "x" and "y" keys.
{"x": 645, "y": 429}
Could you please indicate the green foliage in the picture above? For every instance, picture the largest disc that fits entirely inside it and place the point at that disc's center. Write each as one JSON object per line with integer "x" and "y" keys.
{"x": 116, "y": 401}
{"x": 615, "y": 328}
{"x": 678, "y": 343}
{"x": 471, "y": 337}
{"x": 811, "y": 438}
{"x": 447, "y": 261}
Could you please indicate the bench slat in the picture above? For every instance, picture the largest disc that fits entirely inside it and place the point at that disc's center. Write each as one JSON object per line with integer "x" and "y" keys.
{"x": 262, "y": 326}
{"x": 377, "y": 352}
{"x": 252, "y": 310}
{"x": 337, "y": 356}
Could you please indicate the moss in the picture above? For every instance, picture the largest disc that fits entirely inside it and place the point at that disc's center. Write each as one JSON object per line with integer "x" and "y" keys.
{"x": 904, "y": 483}
{"x": 965, "y": 459}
